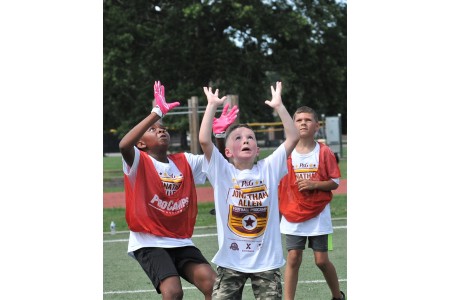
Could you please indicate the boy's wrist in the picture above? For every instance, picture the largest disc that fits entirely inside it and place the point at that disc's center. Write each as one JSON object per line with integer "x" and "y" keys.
{"x": 158, "y": 111}
{"x": 279, "y": 107}
{"x": 213, "y": 105}
{"x": 220, "y": 135}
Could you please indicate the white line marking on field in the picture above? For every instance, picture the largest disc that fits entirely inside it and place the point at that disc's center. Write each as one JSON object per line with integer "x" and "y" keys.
{"x": 338, "y": 219}
{"x": 115, "y": 241}
{"x": 193, "y": 287}
{"x": 204, "y": 235}
{"x": 209, "y": 227}
{"x": 340, "y": 227}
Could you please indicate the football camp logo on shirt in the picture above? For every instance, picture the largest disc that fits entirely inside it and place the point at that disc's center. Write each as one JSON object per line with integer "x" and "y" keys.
{"x": 305, "y": 170}
{"x": 171, "y": 182}
{"x": 247, "y": 217}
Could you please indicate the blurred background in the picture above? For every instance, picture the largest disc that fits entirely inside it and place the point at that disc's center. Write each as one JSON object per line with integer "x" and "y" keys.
{"x": 239, "y": 47}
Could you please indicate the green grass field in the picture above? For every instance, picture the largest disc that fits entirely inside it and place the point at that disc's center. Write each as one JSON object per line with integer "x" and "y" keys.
{"x": 124, "y": 279}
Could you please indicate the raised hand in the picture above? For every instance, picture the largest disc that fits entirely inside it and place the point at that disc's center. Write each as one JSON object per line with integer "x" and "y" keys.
{"x": 158, "y": 92}
{"x": 276, "y": 96}
{"x": 221, "y": 124}
{"x": 213, "y": 98}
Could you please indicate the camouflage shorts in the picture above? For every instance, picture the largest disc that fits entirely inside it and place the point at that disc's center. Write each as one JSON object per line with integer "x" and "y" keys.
{"x": 230, "y": 284}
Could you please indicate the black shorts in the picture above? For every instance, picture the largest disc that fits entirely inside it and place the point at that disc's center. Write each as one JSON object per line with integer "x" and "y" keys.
{"x": 160, "y": 263}
{"x": 317, "y": 243}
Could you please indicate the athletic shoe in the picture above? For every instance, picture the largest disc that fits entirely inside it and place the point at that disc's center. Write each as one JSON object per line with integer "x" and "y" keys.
{"x": 343, "y": 297}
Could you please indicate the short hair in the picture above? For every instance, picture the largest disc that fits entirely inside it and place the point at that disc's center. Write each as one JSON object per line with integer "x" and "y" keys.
{"x": 306, "y": 109}
{"x": 234, "y": 127}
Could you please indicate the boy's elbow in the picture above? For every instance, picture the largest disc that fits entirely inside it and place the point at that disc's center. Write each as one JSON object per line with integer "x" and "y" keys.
{"x": 294, "y": 137}
{"x": 204, "y": 143}
{"x": 121, "y": 145}
{"x": 124, "y": 147}
{"x": 334, "y": 186}
{"x": 204, "y": 139}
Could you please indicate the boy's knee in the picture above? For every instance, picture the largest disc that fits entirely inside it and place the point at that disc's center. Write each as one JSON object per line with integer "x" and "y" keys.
{"x": 171, "y": 288}
{"x": 294, "y": 257}
{"x": 294, "y": 263}
{"x": 207, "y": 286}
{"x": 205, "y": 282}
{"x": 172, "y": 293}
{"x": 323, "y": 264}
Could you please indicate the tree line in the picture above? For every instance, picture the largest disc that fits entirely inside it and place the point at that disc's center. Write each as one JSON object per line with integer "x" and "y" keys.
{"x": 239, "y": 47}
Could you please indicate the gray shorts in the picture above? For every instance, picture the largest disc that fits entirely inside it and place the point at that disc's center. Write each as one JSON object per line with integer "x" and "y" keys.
{"x": 317, "y": 243}
{"x": 229, "y": 284}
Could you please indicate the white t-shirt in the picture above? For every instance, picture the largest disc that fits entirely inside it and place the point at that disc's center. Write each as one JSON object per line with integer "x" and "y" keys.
{"x": 320, "y": 224}
{"x": 247, "y": 213}
{"x": 171, "y": 178}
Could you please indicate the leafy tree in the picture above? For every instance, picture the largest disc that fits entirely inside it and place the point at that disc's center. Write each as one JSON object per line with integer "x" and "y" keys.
{"x": 240, "y": 47}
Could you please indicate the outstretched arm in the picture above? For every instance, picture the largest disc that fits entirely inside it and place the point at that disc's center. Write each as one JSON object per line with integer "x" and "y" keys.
{"x": 292, "y": 134}
{"x": 134, "y": 135}
{"x": 205, "y": 129}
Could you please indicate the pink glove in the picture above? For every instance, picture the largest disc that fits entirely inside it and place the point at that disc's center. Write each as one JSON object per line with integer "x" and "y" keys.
{"x": 221, "y": 124}
{"x": 164, "y": 107}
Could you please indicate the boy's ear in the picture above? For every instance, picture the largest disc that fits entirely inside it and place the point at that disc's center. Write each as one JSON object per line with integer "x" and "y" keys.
{"x": 317, "y": 127}
{"x": 141, "y": 145}
{"x": 228, "y": 153}
{"x": 257, "y": 151}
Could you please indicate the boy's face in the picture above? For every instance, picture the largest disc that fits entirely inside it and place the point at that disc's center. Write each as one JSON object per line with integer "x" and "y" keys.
{"x": 155, "y": 136}
{"x": 241, "y": 145}
{"x": 306, "y": 125}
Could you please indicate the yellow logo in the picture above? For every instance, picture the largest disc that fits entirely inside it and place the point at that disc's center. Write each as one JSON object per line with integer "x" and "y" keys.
{"x": 248, "y": 221}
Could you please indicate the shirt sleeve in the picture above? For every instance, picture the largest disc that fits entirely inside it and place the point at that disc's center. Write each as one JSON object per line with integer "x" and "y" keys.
{"x": 217, "y": 167}
{"x": 132, "y": 171}
{"x": 332, "y": 165}
{"x": 277, "y": 161}
{"x": 196, "y": 161}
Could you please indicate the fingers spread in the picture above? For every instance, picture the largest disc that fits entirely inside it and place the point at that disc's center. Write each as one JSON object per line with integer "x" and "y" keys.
{"x": 234, "y": 110}
{"x": 174, "y": 104}
{"x": 225, "y": 109}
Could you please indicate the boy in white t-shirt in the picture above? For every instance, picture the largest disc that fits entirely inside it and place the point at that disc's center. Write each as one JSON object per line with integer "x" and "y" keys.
{"x": 161, "y": 203}
{"x": 304, "y": 195}
{"x": 246, "y": 203}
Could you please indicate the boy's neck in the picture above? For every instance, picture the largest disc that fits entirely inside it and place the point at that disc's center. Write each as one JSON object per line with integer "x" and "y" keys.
{"x": 161, "y": 157}
{"x": 243, "y": 165}
{"x": 305, "y": 145}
